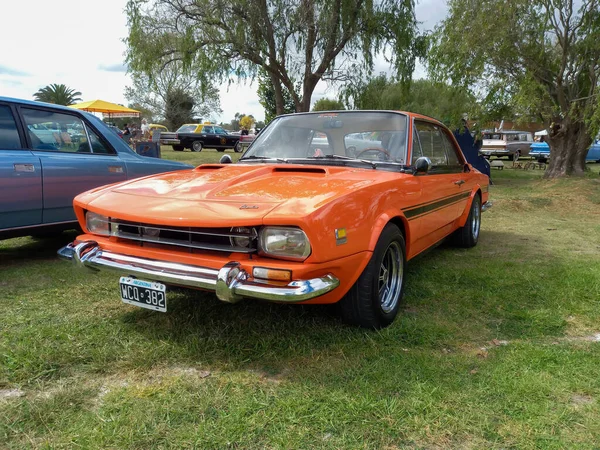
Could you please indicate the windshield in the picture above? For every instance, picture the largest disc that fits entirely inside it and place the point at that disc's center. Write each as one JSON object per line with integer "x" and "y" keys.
{"x": 378, "y": 136}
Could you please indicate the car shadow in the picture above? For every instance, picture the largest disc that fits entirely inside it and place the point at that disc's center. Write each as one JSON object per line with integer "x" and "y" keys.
{"x": 25, "y": 249}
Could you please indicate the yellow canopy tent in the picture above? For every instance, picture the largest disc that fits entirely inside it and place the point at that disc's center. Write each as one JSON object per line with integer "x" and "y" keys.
{"x": 107, "y": 109}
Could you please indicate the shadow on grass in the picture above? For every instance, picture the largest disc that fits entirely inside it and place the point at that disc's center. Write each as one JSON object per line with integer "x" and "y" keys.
{"x": 25, "y": 249}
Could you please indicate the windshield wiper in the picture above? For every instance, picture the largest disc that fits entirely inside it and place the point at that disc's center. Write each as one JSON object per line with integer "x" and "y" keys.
{"x": 269, "y": 158}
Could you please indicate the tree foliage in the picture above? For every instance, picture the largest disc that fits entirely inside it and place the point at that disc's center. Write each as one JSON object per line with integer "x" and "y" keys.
{"x": 58, "y": 94}
{"x": 266, "y": 97}
{"x": 174, "y": 94}
{"x": 247, "y": 122}
{"x": 543, "y": 55}
{"x": 327, "y": 104}
{"x": 435, "y": 99}
{"x": 293, "y": 41}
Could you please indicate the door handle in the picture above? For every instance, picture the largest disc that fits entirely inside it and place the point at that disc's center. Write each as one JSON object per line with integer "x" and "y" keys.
{"x": 459, "y": 182}
{"x": 24, "y": 167}
{"x": 115, "y": 169}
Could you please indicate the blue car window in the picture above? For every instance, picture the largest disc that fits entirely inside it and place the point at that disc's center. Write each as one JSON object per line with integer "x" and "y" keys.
{"x": 97, "y": 144}
{"x": 55, "y": 131}
{"x": 9, "y": 136}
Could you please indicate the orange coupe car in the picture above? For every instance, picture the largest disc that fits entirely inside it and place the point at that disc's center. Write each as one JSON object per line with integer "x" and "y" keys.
{"x": 323, "y": 207}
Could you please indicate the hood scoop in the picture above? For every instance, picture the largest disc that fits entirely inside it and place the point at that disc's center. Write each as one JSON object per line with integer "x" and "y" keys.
{"x": 209, "y": 167}
{"x": 318, "y": 170}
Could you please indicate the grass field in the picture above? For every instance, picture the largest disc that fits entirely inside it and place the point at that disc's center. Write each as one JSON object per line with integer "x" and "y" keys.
{"x": 495, "y": 347}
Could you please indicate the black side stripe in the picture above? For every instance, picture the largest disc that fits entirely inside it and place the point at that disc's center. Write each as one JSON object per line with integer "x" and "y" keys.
{"x": 420, "y": 210}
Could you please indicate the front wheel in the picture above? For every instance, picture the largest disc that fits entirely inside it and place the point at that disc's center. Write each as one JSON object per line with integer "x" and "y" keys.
{"x": 374, "y": 300}
{"x": 468, "y": 236}
{"x": 197, "y": 146}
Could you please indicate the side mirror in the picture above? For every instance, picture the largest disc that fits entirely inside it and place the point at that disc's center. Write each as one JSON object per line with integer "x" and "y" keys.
{"x": 422, "y": 165}
{"x": 225, "y": 159}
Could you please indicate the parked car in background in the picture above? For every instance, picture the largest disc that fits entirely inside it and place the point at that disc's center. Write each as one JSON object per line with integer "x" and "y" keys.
{"x": 511, "y": 144}
{"x": 322, "y": 208}
{"x": 541, "y": 152}
{"x": 41, "y": 172}
{"x": 170, "y": 137}
{"x": 206, "y": 135}
{"x": 157, "y": 126}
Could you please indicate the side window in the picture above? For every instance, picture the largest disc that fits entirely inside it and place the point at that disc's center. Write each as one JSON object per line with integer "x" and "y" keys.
{"x": 9, "y": 136}
{"x": 416, "y": 146}
{"x": 219, "y": 130}
{"x": 432, "y": 143}
{"x": 451, "y": 151}
{"x": 97, "y": 145}
{"x": 208, "y": 130}
{"x": 55, "y": 131}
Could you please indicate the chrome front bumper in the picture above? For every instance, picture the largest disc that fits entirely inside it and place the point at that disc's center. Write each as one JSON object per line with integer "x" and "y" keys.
{"x": 486, "y": 206}
{"x": 231, "y": 283}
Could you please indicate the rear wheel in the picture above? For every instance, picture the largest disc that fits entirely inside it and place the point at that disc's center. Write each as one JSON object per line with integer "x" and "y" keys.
{"x": 197, "y": 146}
{"x": 515, "y": 155}
{"x": 373, "y": 301}
{"x": 178, "y": 148}
{"x": 238, "y": 147}
{"x": 468, "y": 235}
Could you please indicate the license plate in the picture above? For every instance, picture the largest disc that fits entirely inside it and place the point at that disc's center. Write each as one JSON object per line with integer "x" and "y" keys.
{"x": 146, "y": 294}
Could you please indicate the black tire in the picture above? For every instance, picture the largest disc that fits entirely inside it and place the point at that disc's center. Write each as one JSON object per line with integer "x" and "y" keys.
{"x": 515, "y": 156}
{"x": 468, "y": 236}
{"x": 197, "y": 146}
{"x": 178, "y": 148}
{"x": 363, "y": 305}
{"x": 238, "y": 148}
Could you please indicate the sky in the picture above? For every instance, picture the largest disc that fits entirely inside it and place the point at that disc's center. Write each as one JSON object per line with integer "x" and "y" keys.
{"x": 79, "y": 43}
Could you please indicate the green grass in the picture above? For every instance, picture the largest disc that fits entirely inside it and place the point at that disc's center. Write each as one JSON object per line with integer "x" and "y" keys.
{"x": 96, "y": 373}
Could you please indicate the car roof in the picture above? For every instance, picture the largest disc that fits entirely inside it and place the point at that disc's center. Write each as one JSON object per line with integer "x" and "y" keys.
{"x": 406, "y": 113}
{"x": 36, "y": 103}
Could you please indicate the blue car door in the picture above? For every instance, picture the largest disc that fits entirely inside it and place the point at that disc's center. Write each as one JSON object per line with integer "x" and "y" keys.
{"x": 20, "y": 176}
{"x": 78, "y": 159}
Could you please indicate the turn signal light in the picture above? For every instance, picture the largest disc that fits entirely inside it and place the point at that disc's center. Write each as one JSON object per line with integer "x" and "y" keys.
{"x": 271, "y": 274}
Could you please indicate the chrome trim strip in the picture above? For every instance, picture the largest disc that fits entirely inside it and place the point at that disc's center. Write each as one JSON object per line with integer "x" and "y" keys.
{"x": 230, "y": 283}
{"x": 486, "y": 206}
{"x": 41, "y": 225}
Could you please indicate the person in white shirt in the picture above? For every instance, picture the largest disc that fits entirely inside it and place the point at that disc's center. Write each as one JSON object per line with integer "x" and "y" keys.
{"x": 145, "y": 128}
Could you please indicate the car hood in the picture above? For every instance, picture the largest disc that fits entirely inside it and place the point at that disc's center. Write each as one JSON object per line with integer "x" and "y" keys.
{"x": 241, "y": 194}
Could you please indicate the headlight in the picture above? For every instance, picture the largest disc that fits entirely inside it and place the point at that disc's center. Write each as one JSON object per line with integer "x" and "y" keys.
{"x": 283, "y": 242}
{"x": 242, "y": 241}
{"x": 97, "y": 223}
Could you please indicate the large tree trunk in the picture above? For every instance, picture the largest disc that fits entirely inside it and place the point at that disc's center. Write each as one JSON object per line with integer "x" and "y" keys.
{"x": 279, "y": 102}
{"x": 569, "y": 143}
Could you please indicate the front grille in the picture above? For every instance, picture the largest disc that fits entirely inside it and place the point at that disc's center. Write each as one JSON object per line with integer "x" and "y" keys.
{"x": 214, "y": 239}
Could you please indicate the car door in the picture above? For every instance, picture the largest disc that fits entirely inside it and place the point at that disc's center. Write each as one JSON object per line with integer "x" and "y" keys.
{"x": 441, "y": 187}
{"x": 211, "y": 140}
{"x": 73, "y": 164}
{"x": 225, "y": 138}
{"x": 20, "y": 176}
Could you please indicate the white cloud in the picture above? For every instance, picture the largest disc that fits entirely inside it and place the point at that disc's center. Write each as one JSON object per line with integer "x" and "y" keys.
{"x": 80, "y": 44}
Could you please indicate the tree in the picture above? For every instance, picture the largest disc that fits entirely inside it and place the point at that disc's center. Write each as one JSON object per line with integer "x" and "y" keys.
{"x": 58, "y": 94}
{"x": 266, "y": 97}
{"x": 293, "y": 41}
{"x": 247, "y": 122}
{"x": 327, "y": 104}
{"x": 435, "y": 99}
{"x": 542, "y": 54}
{"x": 174, "y": 94}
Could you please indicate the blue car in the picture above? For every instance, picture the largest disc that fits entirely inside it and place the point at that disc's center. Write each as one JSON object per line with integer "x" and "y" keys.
{"x": 48, "y": 155}
{"x": 541, "y": 152}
